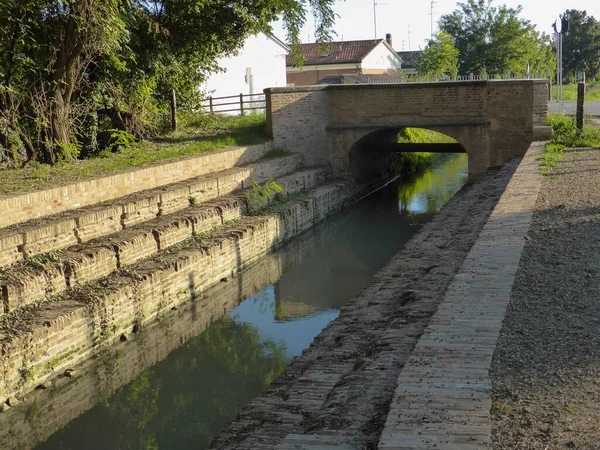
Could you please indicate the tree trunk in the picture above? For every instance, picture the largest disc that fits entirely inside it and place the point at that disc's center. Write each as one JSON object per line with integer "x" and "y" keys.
{"x": 173, "y": 110}
{"x": 59, "y": 128}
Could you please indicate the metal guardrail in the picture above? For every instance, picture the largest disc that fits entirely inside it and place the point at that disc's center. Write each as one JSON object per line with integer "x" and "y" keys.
{"x": 448, "y": 79}
{"x": 243, "y": 103}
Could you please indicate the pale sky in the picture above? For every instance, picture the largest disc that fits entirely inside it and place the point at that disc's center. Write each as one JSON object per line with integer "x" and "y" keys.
{"x": 395, "y": 16}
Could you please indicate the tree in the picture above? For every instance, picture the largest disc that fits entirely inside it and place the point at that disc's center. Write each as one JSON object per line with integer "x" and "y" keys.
{"x": 581, "y": 44}
{"x": 68, "y": 65}
{"x": 495, "y": 40}
{"x": 48, "y": 49}
{"x": 439, "y": 58}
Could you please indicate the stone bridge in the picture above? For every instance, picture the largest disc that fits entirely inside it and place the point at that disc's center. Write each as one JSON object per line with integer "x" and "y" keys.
{"x": 340, "y": 124}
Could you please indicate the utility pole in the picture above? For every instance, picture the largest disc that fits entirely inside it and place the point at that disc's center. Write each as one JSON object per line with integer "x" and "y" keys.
{"x": 432, "y": 4}
{"x": 409, "y": 38}
{"x": 375, "y": 3}
{"x": 375, "y": 18}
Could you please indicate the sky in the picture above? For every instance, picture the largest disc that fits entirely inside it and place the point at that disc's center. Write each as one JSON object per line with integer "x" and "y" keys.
{"x": 355, "y": 19}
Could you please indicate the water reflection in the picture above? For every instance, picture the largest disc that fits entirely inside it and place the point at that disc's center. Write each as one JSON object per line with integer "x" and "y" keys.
{"x": 182, "y": 380}
{"x": 183, "y": 401}
{"x": 428, "y": 192}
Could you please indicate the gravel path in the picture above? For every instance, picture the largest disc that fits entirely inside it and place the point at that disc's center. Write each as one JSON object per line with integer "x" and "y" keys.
{"x": 546, "y": 369}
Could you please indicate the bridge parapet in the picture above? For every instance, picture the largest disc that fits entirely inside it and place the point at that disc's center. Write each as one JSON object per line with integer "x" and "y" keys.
{"x": 493, "y": 120}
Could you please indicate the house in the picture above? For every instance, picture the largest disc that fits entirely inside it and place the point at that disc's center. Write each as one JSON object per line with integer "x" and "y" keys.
{"x": 258, "y": 65}
{"x": 409, "y": 61}
{"x": 368, "y": 57}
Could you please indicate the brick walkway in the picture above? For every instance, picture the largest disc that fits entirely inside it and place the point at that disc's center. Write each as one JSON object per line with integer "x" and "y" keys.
{"x": 442, "y": 399}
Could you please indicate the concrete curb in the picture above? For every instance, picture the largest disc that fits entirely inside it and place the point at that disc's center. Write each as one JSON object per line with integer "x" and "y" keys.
{"x": 443, "y": 394}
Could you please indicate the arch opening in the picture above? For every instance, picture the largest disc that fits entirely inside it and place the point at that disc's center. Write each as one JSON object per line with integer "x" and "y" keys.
{"x": 391, "y": 151}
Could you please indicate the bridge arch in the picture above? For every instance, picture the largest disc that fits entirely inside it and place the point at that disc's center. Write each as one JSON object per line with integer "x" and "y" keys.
{"x": 359, "y": 163}
{"x": 376, "y": 153}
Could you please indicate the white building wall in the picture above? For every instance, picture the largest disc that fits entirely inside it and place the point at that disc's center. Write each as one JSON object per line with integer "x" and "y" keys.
{"x": 263, "y": 56}
{"x": 381, "y": 57}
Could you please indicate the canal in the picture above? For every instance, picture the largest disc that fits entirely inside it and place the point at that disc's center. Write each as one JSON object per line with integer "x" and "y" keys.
{"x": 181, "y": 381}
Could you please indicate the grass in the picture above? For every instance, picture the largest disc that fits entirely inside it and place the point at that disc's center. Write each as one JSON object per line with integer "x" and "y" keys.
{"x": 592, "y": 92}
{"x": 566, "y": 135}
{"x": 408, "y": 163}
{"x": 202, "y": 135}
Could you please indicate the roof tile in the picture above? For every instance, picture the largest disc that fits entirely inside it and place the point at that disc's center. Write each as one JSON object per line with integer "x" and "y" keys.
{"x": 338, "y": 52}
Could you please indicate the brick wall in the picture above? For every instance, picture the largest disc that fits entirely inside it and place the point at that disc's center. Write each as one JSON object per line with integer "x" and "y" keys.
{"x": 22, "y": 207}
{"x": 67, "y": 333}
{"x": 100, "y": 377}
{"x": 540, "y": 102}
{"x": 297, "y": 119}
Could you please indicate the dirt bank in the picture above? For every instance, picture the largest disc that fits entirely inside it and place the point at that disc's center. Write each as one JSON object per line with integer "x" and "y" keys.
{"x": 546, "y": 369}
{"x": 340, "y": 388}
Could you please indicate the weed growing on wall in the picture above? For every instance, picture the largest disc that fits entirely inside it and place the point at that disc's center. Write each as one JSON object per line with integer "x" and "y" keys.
{"x": 261, "y": 196}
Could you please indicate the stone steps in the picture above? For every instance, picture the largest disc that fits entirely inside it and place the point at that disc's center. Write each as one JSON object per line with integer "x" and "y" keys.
{"x": 45, "y": 339}
{"x": 66, "y": 229}
{"x": 34, "y": 279}
{"x": 25, "y": 206}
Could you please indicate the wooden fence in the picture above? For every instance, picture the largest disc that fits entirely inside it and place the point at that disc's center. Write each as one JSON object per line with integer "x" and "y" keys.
{"x": 242, "y": 103}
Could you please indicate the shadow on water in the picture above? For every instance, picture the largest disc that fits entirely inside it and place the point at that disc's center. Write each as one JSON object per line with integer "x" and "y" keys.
{"x": 180, "y": 381}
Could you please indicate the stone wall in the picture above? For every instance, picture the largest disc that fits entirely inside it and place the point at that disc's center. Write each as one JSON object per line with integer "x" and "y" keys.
{"x": 68, "y": 332}
{"x": 22, "y": 207}
{"x": 100, "y": 377}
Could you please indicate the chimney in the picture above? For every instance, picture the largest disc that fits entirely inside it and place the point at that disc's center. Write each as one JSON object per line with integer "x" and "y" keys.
{"x": 388, "y": 38}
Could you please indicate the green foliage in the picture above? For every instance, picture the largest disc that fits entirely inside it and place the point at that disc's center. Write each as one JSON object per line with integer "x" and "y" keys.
{"x": 566, "y": 135}
{"x": 120, "y": 140}
{"x": 71, "y": 70}
{"x": 408, "y": 163}
{"x": 220, "y": 132}
{"x": 496, "y": 39}
{"x": 440, "y": 58}
{"x": 581, "y": 45}
{"x": 423, "y": 136}
{"x": 261, "y": 196}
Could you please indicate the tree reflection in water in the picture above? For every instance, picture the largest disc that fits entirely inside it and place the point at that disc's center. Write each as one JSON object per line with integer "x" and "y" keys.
{"x": 427, "y": 192}
{"x": 210, "y": 379}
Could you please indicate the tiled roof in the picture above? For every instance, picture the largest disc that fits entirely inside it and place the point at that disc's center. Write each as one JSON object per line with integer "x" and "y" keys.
{"x": 409, "y": 59}
{"x": 332, "y": 79}
{"x": 357, "y": 79}
{"x": 337, "y": 53}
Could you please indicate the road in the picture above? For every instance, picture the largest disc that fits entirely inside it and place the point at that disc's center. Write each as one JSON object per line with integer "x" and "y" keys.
{"x": 591, "y": 108}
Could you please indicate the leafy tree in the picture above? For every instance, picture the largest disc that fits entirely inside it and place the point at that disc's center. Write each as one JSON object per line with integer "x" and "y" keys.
{"x": 581, "y": 44}
{"x": 72, "y": 68}
{"x": 495, "y": 40}
{"x": 439, "y": 58}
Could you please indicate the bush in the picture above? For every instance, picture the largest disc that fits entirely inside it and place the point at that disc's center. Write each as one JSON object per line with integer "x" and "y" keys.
{"x": 566, "y": 135}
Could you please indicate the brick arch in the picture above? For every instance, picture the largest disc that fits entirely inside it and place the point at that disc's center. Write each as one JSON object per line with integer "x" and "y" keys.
{"x": 350, "y": 160}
